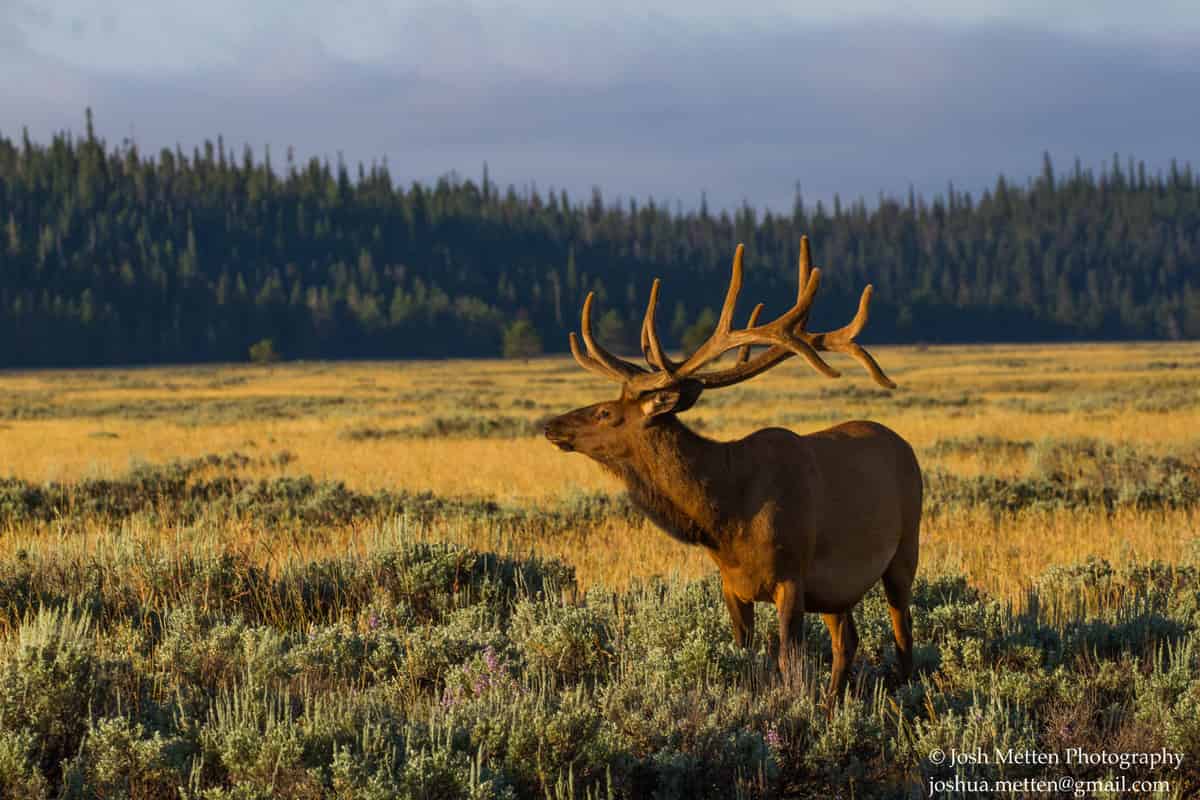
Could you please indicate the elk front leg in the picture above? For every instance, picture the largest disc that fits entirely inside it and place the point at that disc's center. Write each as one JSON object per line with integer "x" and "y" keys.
{"x": 844, "y": 636}
{"x": 742, "y": 614}
{"x": 789, "y": 604}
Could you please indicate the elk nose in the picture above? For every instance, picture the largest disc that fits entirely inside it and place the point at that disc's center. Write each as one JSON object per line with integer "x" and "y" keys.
{"x": 558, "y": 436}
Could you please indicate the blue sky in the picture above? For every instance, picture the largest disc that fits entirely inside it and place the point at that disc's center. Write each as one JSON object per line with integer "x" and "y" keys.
{"x": 852, "y": 97}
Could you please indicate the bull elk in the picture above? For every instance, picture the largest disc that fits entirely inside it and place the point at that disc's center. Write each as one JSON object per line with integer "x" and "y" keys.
{"x": 808, "y": 522}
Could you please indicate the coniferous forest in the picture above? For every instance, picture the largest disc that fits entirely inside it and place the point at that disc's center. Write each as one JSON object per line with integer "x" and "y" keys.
{"x": 109, "y": 255}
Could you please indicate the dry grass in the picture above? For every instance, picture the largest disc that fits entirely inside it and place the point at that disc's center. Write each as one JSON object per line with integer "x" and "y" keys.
{"x": 69, "y": 425}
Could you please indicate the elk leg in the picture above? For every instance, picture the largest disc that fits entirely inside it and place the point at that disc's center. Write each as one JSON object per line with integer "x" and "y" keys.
{"x": 844, "y": 636}
{"x": 789, "y": 605}
{"x": 742, "y": 615}
{"x": 897, "y": 585}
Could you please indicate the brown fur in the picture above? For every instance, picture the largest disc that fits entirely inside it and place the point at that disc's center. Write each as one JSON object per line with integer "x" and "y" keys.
{"x": 808, "y": 523}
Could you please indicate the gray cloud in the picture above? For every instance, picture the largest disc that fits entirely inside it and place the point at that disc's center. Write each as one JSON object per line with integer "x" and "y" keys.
{"x": 658, "y": 109}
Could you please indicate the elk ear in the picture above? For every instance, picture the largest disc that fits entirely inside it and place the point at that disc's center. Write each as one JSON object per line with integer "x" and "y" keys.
{"x": 673, "y": 400}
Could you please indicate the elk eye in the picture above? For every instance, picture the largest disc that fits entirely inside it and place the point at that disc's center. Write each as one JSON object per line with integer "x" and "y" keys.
{"x": 603, "y": 413}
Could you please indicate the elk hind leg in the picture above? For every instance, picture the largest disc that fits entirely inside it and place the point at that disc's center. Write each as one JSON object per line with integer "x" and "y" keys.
{"x": 844, "y": 636}
{"x": 897, "y": 585}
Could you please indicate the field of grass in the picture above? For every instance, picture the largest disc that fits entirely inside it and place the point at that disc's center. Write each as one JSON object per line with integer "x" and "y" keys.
{"x": 378, "y": 580}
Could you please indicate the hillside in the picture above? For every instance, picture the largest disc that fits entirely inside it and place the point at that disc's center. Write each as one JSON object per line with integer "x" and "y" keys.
{"x": 110, "y": 255}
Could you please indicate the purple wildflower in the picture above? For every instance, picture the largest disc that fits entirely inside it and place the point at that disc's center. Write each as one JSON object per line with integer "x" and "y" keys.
{"x": 774, "y": 740}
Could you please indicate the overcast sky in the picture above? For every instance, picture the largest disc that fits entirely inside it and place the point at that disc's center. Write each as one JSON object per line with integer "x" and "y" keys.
{"x": 853, "y": 98}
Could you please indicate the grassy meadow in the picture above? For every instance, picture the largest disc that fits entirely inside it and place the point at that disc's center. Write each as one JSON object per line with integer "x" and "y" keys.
{"x": 378, "y": 580}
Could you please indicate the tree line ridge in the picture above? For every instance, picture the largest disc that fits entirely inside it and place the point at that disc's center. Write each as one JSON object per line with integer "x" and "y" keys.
{"x": 110, "y": 255}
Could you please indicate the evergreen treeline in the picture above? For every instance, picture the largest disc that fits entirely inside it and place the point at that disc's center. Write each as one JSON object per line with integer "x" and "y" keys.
{"x": 110, "y": 256}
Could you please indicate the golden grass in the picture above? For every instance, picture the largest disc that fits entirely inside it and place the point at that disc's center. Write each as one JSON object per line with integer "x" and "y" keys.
{"x": 1000, "y": 556}
{"x": 72, "y": 424}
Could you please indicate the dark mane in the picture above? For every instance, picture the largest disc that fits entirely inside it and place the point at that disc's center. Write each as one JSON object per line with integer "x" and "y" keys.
{"x": 664, "y": 512}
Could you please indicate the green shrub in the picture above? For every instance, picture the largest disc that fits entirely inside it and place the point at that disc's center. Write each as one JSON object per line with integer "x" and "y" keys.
{"x": 416, "y": 669}
{"x": 120, "y": 759}
{"x": 521, "y": 340}
{"x": 568, "y": 641}
{"x": 263, "y": 352}
{"x": 50, "y": 677}
{"x": 20, "y": 774}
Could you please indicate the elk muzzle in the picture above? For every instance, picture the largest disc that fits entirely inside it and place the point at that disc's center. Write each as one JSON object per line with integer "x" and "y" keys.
{"x": 559, "y": 436}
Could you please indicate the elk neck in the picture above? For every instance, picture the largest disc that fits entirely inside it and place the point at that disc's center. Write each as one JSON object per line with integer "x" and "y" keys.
{"x": 680, "y": 479}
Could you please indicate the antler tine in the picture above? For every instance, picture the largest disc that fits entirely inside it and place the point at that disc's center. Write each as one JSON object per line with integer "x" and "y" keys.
{"x": 805, "y": 270}
{"x": 586, "y": 361}
{"x": 805, "y": 266}
{"x": 651, "y": 347}
{"x": 847, "y": 332}
{"x": 649, "y": 317}
{"x": 842, "y": 340}
{"x": 804, "y": 299}
{"x": 598, "y": 359}
{"x": 860, "y": 354}
{"x": 744, "y": 353}
{"x": 725, "y": 322}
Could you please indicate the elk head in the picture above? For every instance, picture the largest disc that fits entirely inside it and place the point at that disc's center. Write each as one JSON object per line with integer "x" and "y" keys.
{"x": 651, "y": 396}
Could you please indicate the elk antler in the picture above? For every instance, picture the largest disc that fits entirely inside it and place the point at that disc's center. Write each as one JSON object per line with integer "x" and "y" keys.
{"x": 785, "y": 335}
{"x": 840, "y": 340}
{"x": 650, "y": 345}
{"x": 598, "y": 359}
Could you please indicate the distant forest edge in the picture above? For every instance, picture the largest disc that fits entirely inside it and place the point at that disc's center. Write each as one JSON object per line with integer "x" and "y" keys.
{"x": 111, "y": 256}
